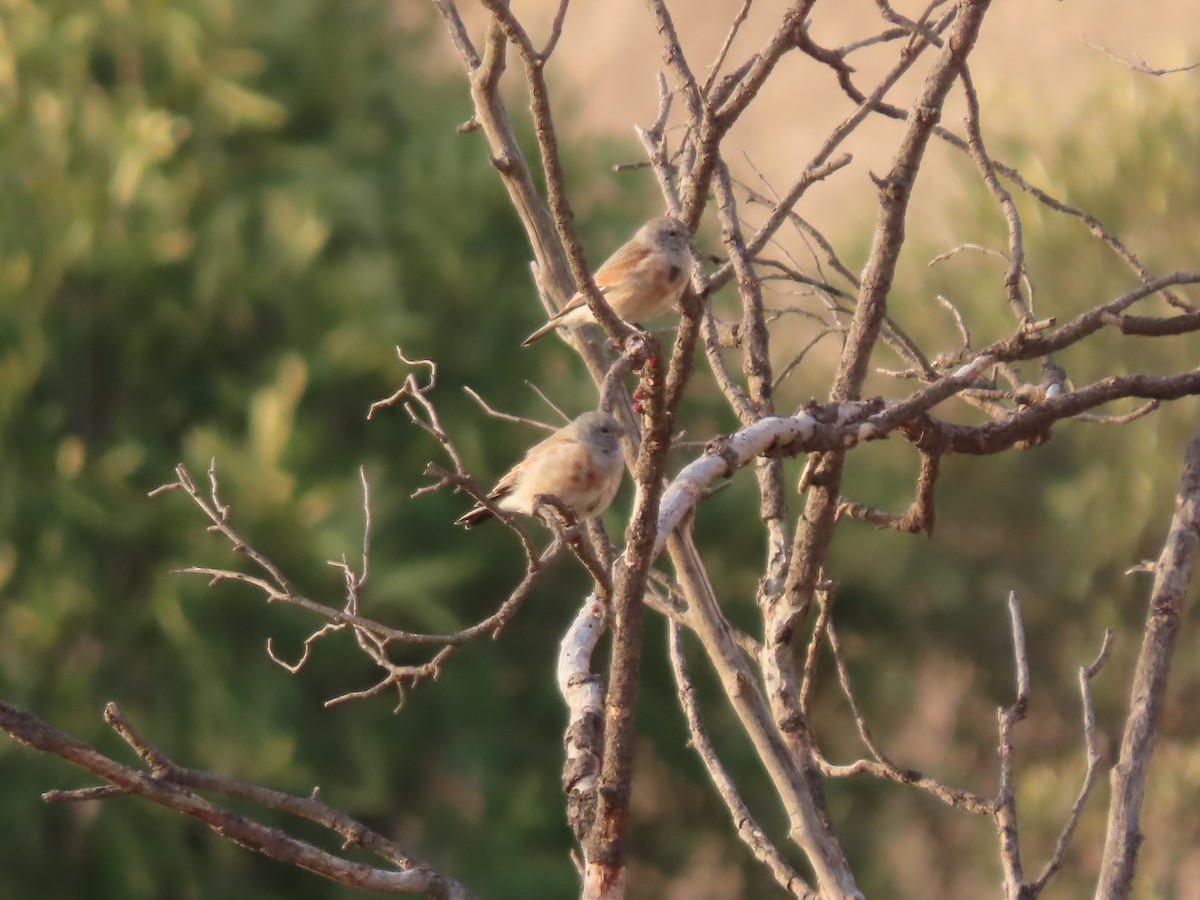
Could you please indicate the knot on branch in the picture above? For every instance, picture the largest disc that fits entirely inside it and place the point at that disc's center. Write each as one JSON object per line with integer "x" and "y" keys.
{"x": 505, "y": 165}
{"x": 729, "y": 334}
{"x": 720, "y": 446}
{"x": 791, "y": 723}
{"x": 924, "y": 434}
{"x": 888, "y": 187}
{"x": 927, "y": 116}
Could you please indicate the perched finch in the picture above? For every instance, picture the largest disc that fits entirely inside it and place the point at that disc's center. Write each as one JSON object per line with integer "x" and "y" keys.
{"x": 580, "y": 464}
{"x": 640, "y": 281}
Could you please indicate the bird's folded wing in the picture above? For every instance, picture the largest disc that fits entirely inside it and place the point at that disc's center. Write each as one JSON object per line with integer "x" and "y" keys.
{"x": 561, "y": 466}
{"x": 618, "y": 266}
{"x": 508, "y": 481}
{"x": 575, "y": 303}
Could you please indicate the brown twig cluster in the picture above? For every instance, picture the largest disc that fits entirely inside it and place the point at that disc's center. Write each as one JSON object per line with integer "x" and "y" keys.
{"x": 168, "y": 784}
{"x": 768, "y": 677}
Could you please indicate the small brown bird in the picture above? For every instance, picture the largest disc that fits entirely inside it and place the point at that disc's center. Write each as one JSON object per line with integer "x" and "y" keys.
{"x": 640, "y": 281}
{"x": 580, "y": 464}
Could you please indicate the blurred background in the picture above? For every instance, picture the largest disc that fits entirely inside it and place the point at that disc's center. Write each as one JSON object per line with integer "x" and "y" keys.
{"x": 217, "y": 220}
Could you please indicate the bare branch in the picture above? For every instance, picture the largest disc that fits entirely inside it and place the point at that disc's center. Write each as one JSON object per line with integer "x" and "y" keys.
{"x": 507, "y": 417}
{"x": 1093, "y": 225}
{"x": 715, "y": 68}
{"x": 919, "y": 517}
{"x": 748, "y": 830}
{"x": 1016, "y": 245}
{"x": 795, "y": 786}
{"x": 1138, "y": 64}
{"x": 881, "y": 766}
{"x": 1144, "y": 410}
{"x": 584, "y": 694}
{"x": 555, "y": 31}
{"x": 1092, "y": 757}
{"x": 550, "y": 403}
{"x": 1006, "y": 801}
{"x": 168, "y": 786}
{"x": 1172, "y": 575}
{"x": 1030, "y": 424}
{"x": 782, "y": 210}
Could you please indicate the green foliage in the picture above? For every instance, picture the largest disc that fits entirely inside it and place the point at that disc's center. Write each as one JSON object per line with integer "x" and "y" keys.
{"x": 218, "y": 220}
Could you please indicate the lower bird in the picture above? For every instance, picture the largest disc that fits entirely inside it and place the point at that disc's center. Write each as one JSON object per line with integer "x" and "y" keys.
{"x": 641, "y": 281}
{"x": 580, "y": 464}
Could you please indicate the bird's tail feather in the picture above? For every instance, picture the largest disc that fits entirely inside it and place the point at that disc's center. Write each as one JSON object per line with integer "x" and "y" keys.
{"x": 542, "y": 332}
{"x": 473, "y": 517}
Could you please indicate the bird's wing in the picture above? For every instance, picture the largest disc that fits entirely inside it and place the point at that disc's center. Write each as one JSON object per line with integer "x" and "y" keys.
{"x": 558, "y": 446}
{"x": 555, "y": 320}
{"x": 574, "y": 303}
{"x": 617, "y": 266}
{"x": 610, "y": 276}
{"x": 563, "y": 466}
{"x": 480, "y": 513}
{"x": 612, "y": 280}
{"x": 509, "y": 479}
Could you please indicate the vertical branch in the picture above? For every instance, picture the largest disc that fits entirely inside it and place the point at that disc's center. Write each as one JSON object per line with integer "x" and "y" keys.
{"x": 556, "y": 189}
{"x": 491, "y": 115}
{"x": 815, "y": 528}
{"x": 756, "y": 368}
{"x": 1172, "y": 573}
{"x": 895, "y": 189}
{"x": 1006, "y": 797}
{"x": 1016, "y": 246}
{"x": 816, "y": 525}
{"x": 561, "y": 263}
{"x": 660, "y": 393}
{"x": 584, "y": 695}
{"x": 710, "y": 125}
{"x": 756, "y": 361}
{"x": 606, "y": 847}
{"x": 1092, "y": 758}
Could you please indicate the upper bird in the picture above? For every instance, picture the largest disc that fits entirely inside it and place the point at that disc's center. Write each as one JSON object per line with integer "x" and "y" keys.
{"x": 580, "y": 464}
{"x": 640, "y": 281}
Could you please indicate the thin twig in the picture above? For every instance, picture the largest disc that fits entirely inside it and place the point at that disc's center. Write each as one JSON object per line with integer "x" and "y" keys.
{"x": 715, "y": 68}
{"x": 556, "y": 28}
{"x": 748, "y": 830}
{"x": 1092, "y": 758}
{"x": 507, "y": 417}
{"x": 1138, "y": 64}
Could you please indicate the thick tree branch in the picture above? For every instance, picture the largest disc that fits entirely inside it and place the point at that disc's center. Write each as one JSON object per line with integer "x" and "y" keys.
{"x": 1172, "y": 575}
{"x": 796, "y": 786}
